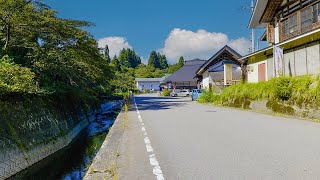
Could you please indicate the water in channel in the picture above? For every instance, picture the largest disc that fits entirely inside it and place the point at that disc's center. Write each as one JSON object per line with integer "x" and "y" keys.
{"x": 72, "y": 162}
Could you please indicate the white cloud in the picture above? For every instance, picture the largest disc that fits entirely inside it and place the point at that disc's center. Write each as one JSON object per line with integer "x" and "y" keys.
{"x": 116, "y": 44}
{"x": 200, "y": 44}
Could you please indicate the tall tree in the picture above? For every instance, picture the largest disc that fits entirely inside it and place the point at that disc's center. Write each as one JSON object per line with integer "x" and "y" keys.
{"x": 163, "y": 61}
{"x": 128, "y": 58}
{"x": 123, "y": 58}
{"x": 106, "y": 54}
{"x": 181, "y": 61}
{"x": 154, "y": 60}
{"x": 134, "y": 60}
{"x": 116, "y": 63}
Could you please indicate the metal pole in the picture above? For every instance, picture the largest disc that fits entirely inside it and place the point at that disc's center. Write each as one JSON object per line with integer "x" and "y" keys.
{"x": 252, "y": 30}
{"x": 274, "y": 62}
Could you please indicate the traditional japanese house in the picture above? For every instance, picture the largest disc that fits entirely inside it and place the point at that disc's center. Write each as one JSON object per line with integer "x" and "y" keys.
{"x": 221, "y": 70}
{"x": 184, "y": 77}
{"x": 293, "y": 33}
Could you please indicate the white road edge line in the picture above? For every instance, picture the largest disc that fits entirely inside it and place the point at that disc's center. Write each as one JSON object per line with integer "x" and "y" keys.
{"x": 152, "y": 157}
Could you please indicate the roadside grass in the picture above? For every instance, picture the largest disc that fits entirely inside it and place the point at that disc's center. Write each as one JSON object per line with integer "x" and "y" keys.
{"x": 301, "y": 91}
{"x": 209, "y": 96}
{"x": 125, "y": 123}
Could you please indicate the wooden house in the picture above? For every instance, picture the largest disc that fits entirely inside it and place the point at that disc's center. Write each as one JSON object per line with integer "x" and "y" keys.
{"x": 221, "y": 70}
{"x": 293, "y": 33}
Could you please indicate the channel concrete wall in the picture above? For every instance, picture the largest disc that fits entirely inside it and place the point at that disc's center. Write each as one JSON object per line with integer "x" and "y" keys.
{"x": 30, "y": 133}
{"x": 14, "y": 160}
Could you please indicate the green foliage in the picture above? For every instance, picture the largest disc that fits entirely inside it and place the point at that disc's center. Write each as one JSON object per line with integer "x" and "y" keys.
{"x": 128, "y": 58}
{"x": 157, "y": 60}
{"x": 173, "y": 68}
{"x": 283, "y": 88}
{"x": 280, "y": 108}
{"x": 15, "y": 79}
{"x": 208, "y": 97}
{"x": 128, "y": 65}
{"x": 154, "y": 60}
{"x": 13, "y": 135}
{"x": 300, "y": 91}
{"x": 181, "y": 61}
{"x": 116, "y": 64}
{"x": 165, "y": 92}
{"x": 143, "y": 71}
{"x": 56, "y": 53}
{"x": 151, "y": 71}
{"x": 123, "y": 81}
{"x": 163, "y": 61}
{"x": 247, "y": 91}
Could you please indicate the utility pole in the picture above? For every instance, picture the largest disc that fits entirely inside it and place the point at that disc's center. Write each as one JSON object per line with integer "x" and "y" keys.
{"x": 252, "y": 30}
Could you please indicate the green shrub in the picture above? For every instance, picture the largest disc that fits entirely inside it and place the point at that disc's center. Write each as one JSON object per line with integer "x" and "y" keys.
{"x": 283, "y": 87}
{"x": 305, "y": 91}
{"x": 300, "y": 91}
{"x": 208, "y": 97}
{"x": 165, "y": 92}
{"x": 146, "y": 91}
{"x": 246, "y": 91}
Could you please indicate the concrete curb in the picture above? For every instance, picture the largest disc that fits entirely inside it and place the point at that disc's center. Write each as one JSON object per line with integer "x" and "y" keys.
{"x": 104, "y": 165}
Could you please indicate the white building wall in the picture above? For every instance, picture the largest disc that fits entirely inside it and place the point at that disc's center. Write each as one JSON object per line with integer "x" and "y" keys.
{"x": 301, "y": 62}
{"x": 253, "y": 74}
{"x": 148, "y": 86}
{"x": 270, "y": 69}
{"x": 289, "y": 64}
{"x": 313, "y": 58}
{"x": 297, "y": 62}
{"x": 205, "y": 80}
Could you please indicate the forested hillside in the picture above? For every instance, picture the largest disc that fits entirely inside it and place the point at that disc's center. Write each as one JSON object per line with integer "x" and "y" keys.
{"x": 42, "y": 54}
{"x": 45, "y": 55}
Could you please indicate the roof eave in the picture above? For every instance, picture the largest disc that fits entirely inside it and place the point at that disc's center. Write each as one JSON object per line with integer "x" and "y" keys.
{"x": 255, "y": 22}
{"x": 236, "y": 55}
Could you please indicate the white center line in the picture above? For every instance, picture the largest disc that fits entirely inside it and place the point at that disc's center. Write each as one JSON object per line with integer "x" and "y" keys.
{"x": 152, "y": 158}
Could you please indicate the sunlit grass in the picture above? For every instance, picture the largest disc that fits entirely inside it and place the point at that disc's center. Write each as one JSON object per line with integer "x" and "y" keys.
{"x": 299, "y": 91}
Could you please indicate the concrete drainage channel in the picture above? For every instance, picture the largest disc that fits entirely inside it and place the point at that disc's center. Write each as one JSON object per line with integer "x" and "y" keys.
{"x": 104, "y": 165}
{"x": 73, "y": 161}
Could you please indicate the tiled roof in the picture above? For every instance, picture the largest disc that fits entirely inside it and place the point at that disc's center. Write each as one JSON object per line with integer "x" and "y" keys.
{"x": 153, "y": 79}
{"x": 149, "y": 79}
{"x": 187, "y": 72}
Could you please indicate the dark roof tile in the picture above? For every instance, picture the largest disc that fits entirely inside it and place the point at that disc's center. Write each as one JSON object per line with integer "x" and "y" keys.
{"x": 186, "y": 73}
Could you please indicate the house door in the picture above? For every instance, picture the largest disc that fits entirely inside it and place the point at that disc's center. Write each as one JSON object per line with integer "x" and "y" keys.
{"x": 262, "y": 72}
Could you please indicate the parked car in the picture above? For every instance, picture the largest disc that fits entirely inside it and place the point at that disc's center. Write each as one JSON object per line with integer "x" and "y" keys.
{"x": 196, "y": 93}
{"x": 182, "y": 93}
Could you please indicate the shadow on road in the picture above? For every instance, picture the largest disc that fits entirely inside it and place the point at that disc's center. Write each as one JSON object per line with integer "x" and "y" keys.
{"x": 159, "y": 103}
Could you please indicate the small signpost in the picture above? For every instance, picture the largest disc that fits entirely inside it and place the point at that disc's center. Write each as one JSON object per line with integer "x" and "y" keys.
{"x": 270, "y": 33}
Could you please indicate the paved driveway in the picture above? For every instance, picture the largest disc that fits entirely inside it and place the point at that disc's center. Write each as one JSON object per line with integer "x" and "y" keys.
{"x": 193, "y": 141}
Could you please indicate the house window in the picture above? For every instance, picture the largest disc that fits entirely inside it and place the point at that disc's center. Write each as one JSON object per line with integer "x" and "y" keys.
{"x": 306, "y": 19}
{"x": 142, "y": 85}
{"x": 290, "y": 26}
{"x": 316, "y": 12}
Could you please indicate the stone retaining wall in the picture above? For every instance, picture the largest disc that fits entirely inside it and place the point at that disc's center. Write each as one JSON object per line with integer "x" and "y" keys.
{"x": 30, "y": 134}
{"x": 15, "y": 160}
{"x": 271, "y": 106}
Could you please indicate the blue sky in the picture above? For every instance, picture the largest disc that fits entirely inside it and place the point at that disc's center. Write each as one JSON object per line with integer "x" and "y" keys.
{"x": 174, "y": 27}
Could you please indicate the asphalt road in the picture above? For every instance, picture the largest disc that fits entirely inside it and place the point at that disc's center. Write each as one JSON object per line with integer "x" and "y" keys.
{"x": 193, "y": 141}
